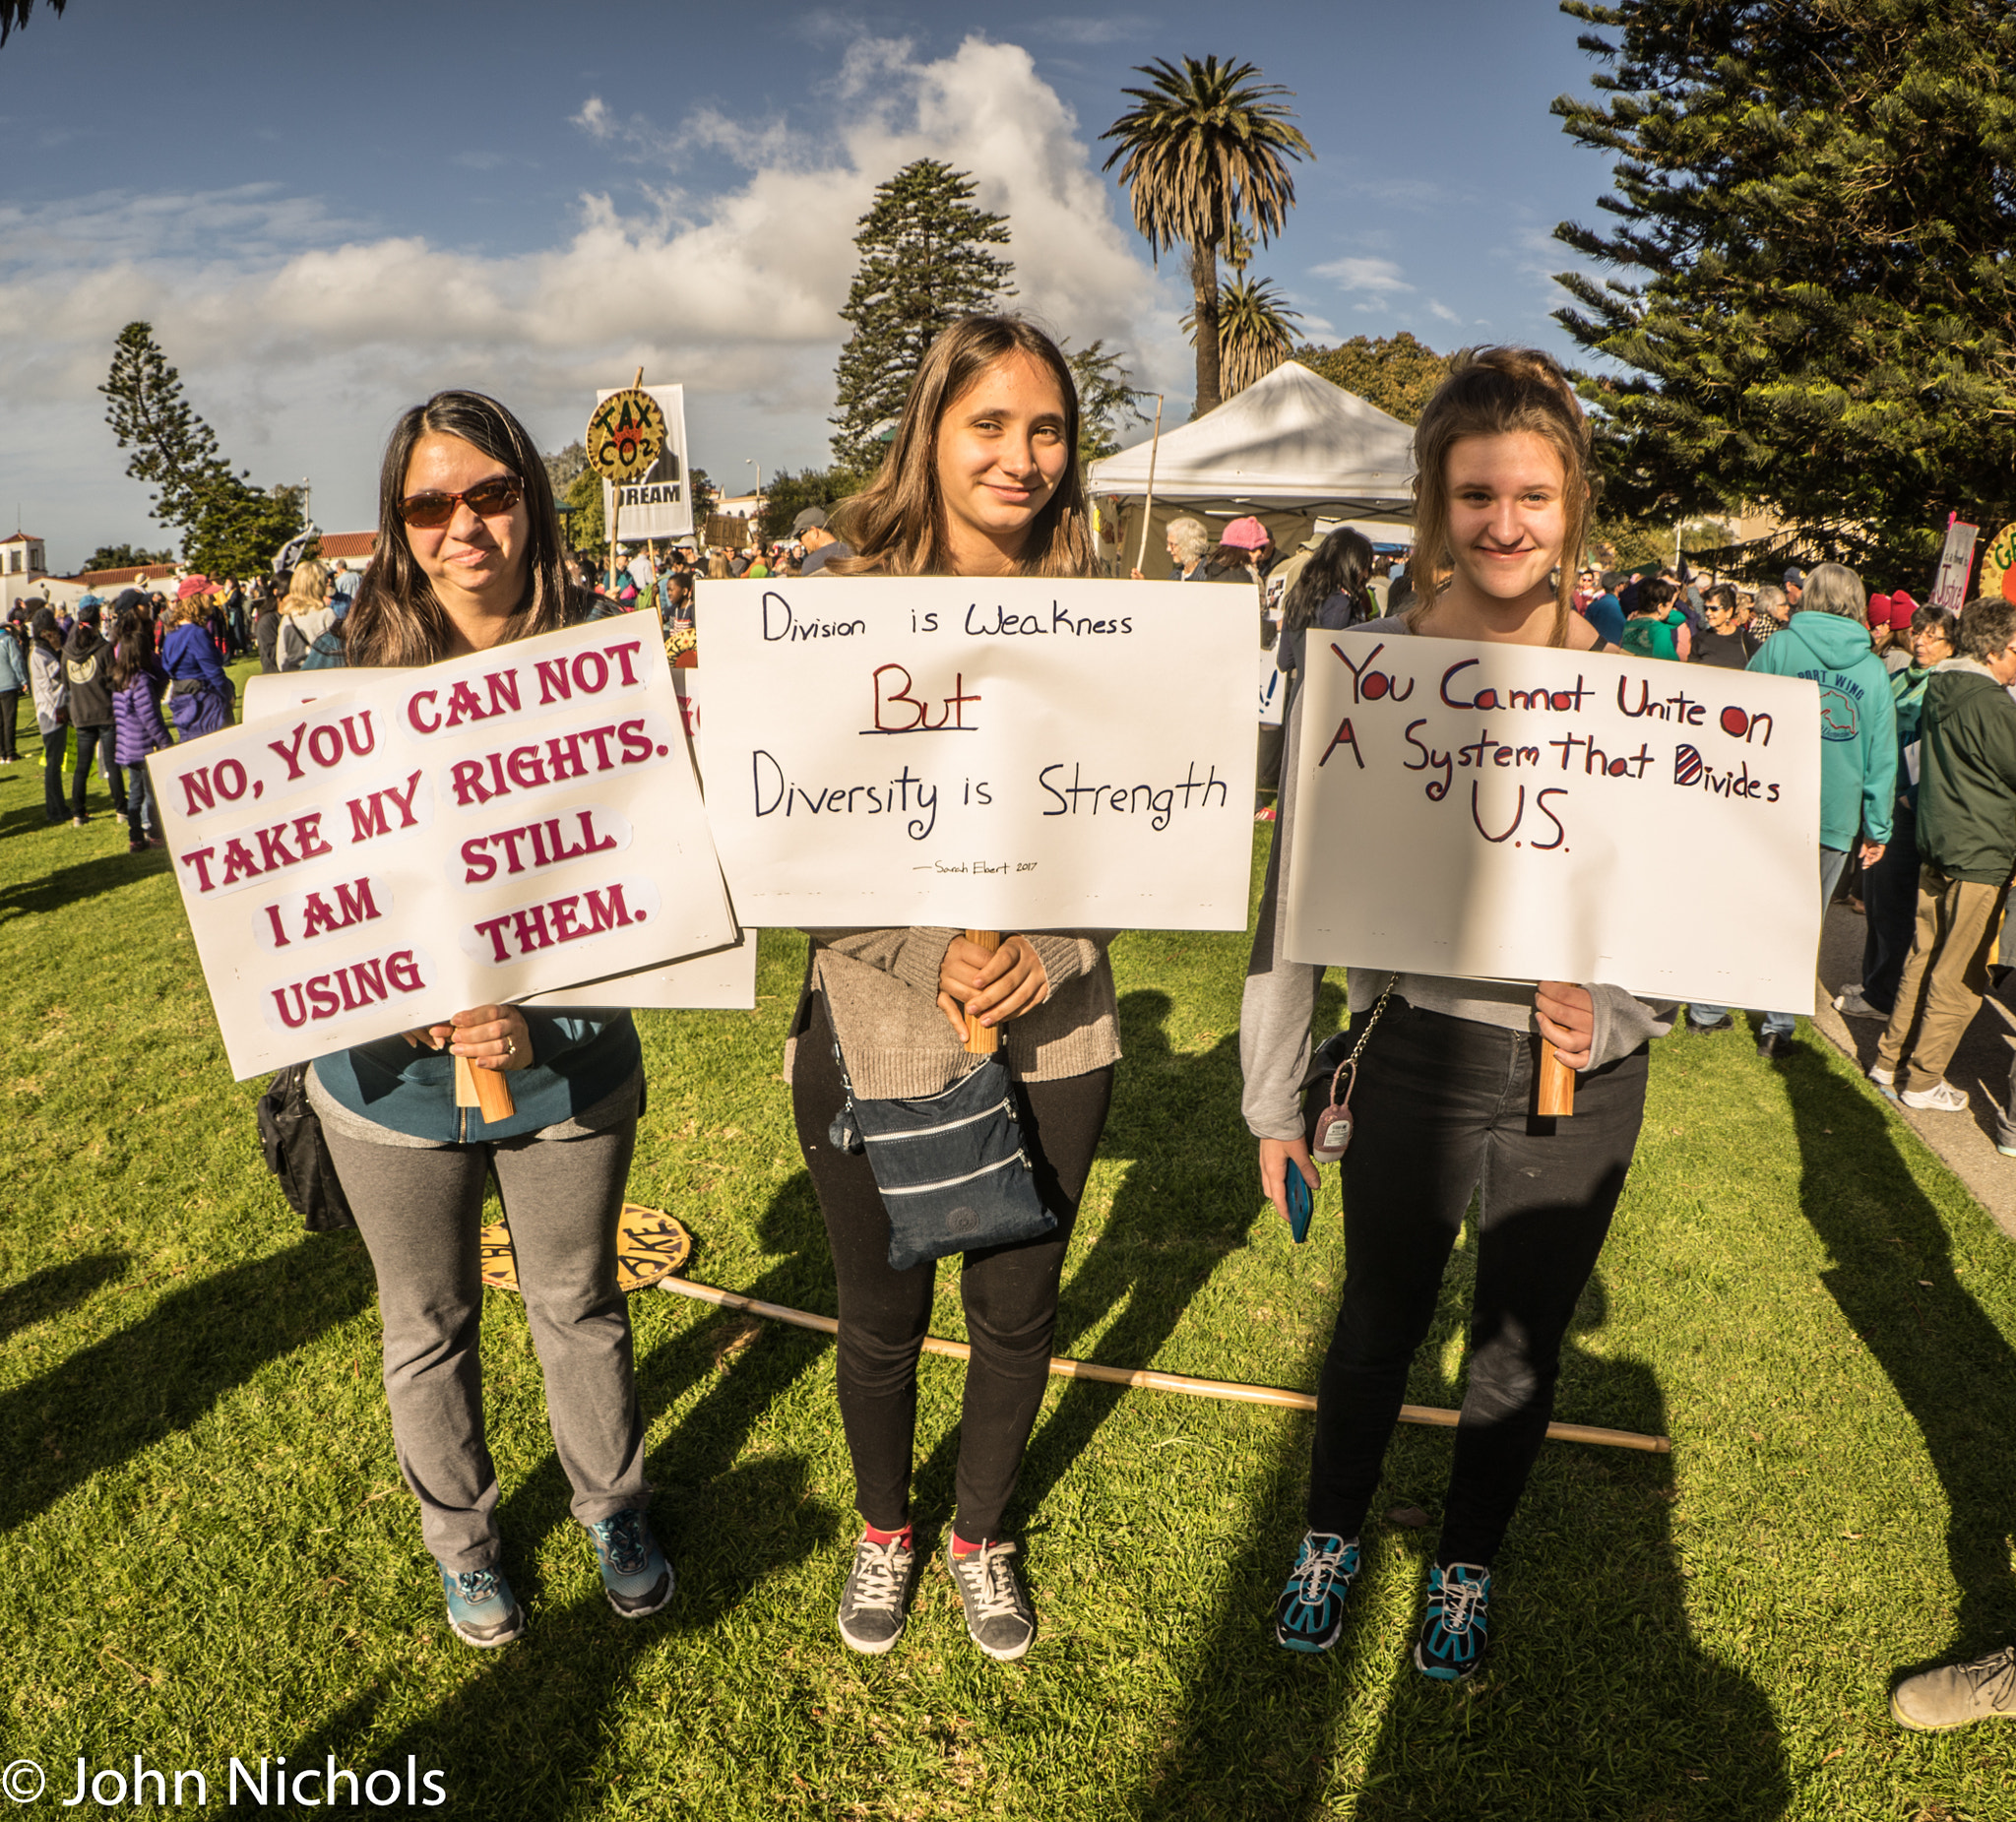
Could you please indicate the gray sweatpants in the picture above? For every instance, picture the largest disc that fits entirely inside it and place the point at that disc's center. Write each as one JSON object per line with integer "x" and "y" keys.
{"x": 421, "y": 1211}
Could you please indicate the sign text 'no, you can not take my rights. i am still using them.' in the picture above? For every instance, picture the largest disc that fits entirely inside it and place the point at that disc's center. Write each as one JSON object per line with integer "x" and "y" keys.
{"x": 416, "y": 842}
{"x": 1525, "y": 813}
{"x": 999, "y": 753}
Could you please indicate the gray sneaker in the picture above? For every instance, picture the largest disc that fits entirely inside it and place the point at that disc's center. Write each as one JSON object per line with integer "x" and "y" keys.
{"x": 1957, "y": 1693}
{"x": 871, "y": 1604}
{"x": 998, "y": 1617}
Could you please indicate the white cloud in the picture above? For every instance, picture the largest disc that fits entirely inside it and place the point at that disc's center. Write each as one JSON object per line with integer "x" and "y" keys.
{"x": 300, "y": 335}
{"x": 1441, "y": 311}
{"x": 1379, "y": 279}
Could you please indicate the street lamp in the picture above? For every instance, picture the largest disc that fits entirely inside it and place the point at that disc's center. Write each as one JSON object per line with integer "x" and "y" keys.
{"x": 750, "y": 462}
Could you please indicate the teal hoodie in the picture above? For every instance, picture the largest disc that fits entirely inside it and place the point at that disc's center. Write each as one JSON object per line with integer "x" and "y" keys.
{"x": 1858, "y": 721}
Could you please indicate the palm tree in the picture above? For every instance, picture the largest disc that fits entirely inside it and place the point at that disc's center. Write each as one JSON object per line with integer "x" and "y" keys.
{"x": 14, "y": 14}
{"x": 1206, "y": 149}
{"x": 1254, "y": 336}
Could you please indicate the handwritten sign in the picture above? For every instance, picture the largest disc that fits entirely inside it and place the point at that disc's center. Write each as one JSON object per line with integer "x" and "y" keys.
{"x": 657, "y": 501}
{"x": 411, "y": 842}
{"x": 999, "y": 754}
{"x": 1525, "y": 813}
{"x": 1956, "y": 559}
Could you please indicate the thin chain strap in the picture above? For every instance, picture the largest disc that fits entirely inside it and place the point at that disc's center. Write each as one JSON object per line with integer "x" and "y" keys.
{"x": 1351, "y": 1062}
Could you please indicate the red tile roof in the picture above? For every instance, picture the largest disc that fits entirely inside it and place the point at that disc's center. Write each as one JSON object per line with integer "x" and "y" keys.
{"x": 348, "y": 543}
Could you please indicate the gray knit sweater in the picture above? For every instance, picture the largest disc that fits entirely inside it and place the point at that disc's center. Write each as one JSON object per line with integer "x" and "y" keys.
{"x": 1280, "y": 995}
{"x": 881, "y": 990}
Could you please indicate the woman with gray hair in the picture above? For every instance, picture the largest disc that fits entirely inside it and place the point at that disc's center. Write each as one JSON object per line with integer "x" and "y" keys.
{"x": 1826, "y": 640}
{"x": 1188, "y": 541}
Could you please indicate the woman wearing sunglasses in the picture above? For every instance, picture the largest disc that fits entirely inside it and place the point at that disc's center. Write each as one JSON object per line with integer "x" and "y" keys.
{"x": 470, "y": 558}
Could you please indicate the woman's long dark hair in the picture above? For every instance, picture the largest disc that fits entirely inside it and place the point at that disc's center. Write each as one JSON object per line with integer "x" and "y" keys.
{"x": 897, "y": 524}
{"x": 1340, "y": 566}
{"x": 132, "y": 648}
{"x": 396, "y": 618}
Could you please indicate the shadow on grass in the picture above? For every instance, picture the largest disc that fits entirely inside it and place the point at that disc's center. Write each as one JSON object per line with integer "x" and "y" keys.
{"x": 1185, "y": 1201}
{"x": 1596, "y": 1701}
{"x": 69, "y": 886}
{"x": 57, "y": 1287}
{"x": 121, "y": 1395}
{"x": 1952, "y": 1367}
{"x": 527, "y": 1731}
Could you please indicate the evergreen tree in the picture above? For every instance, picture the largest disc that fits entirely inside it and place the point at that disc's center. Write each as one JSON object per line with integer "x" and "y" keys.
{"x": 1108, "y": 401}
{"x": 1396, "y": 373}
{"x": 1816, "y": 205}
{"x": 924, "y": 262}
{"x": 229, "y": 527}
{"x": 126, "y": 556}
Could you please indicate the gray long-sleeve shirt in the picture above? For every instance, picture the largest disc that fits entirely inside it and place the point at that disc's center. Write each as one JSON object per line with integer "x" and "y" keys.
{"x": 1280, "y": 995}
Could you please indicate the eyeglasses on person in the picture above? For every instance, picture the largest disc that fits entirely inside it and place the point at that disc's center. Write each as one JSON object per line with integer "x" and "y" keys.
{"x": 487, "y": 499}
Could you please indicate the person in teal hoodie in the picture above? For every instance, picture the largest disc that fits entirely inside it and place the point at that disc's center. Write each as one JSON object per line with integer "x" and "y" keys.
{"x": 1827, "y": 641}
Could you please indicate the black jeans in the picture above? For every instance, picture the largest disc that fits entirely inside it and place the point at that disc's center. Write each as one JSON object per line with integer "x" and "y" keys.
{"x": 1890, "y": 910}
{"x": 10, "y": 708}
{"x": 1442, "y": 1108}
{"x": 1010, "y": 1294}
{"x": 54, "y": 746}
{"x": 98, "y": 741}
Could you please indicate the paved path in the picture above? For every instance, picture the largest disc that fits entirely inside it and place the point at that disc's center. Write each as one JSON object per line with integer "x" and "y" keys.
{"x": 1966, "y": 1142}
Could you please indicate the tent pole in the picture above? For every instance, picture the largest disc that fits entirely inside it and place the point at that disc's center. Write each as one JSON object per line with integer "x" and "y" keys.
{"x": 1148, "y": 504}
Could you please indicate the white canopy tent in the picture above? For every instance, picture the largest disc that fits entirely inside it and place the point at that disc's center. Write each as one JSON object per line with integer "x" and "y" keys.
{"x": 1289, "y": 450}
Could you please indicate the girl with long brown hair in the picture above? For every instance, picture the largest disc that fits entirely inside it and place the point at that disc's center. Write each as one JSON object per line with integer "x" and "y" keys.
{"x": 981, "y": 479}
{"x": 1443, "y": 1090}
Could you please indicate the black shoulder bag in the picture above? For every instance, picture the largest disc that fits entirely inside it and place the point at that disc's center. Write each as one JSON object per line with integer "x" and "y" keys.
{"x": 290, "y": 1132}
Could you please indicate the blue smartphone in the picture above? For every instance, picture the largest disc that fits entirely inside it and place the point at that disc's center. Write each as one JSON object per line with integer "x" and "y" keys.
{"x": 1300, "y": 1204}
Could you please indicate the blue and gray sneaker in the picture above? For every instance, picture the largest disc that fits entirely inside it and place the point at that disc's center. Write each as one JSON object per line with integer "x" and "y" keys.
{"x": 1309, "y": 1615}
{"x": 481, "y": 1607}
{"x": 1456, "y": 1630}
{"x": 635, "y": 1574}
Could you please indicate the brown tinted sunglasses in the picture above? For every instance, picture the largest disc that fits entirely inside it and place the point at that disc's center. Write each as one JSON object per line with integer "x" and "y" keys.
{"x": 486, "y": 499}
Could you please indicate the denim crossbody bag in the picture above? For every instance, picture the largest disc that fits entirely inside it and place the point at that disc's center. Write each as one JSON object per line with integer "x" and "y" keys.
{"x": 951, "y": 1166}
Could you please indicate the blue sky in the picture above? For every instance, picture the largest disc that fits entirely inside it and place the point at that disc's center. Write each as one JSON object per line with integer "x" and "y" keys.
{"x": 330, "y": 211}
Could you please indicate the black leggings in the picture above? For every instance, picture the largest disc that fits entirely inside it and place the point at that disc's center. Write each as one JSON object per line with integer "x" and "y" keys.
{"x": 1010, "y": 1294}
{"x": 1442, "y": 1111}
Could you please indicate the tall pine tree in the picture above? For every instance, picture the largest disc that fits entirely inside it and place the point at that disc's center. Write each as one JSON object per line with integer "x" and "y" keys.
{"x": 1816, "y": 203}
{"x": 229, "y": 527}
{"x": 924, "y": 262}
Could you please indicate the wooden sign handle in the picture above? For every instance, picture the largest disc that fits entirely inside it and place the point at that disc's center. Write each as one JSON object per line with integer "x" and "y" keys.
{"x": 1556, "y": 1088}
{"x": 983, "y": 1040}
{"x": 484, "y": 1089}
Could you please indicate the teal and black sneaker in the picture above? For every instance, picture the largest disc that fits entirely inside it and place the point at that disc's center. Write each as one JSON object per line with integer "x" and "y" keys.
{"x": 1456, "y": 1630}
{"x": 1309, "y": 1615}
{"x": 635, "y": 1574}
{"x": 482, "y": 1607}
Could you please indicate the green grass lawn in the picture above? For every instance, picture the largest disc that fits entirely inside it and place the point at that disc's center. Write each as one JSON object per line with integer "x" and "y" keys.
{"x": 205, "y": 1549}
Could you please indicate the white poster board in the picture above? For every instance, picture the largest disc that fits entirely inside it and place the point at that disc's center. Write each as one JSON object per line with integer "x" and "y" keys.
{"x": 1956, "y": 563}
{"x": 661, "y": 503}
{"x": 1523, "y": 813}
{"x": 413, "y": 842}
{"x": 1000, "y": 754}
{"x": 719, "y": 981}
{"x": 1273, "y": 689}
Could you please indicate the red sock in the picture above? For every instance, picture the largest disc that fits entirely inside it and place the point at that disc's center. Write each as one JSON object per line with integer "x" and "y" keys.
{"x": 959, "y": 1546}
{"x": 887, "y": 1537}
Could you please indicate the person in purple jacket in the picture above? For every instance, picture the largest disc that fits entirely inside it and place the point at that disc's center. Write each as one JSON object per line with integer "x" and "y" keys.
{"x": 199, "y": 692}
{"x": 137, "y": 729}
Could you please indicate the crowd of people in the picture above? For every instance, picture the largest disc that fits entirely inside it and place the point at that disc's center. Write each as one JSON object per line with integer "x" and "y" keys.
{"x": 1443, "y": 1069}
